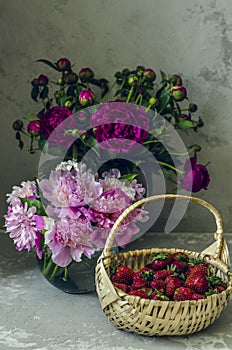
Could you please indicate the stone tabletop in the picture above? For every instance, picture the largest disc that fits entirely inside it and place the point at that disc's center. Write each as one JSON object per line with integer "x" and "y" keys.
{"x": 34, "y": 315}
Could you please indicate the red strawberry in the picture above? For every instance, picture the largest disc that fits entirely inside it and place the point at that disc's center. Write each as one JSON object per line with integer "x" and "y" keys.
{"x": 180, "y": 256}
{"x": 122, "y": 286}
{"x": 172, "y": 283}
{"x": 197, "y": 282}
{"x": 197, "y": 296}
{"x": 221, "y": 288}
{"x": 123, "y": 275}
{"x": 217, "y": 283}
{"x": 138, "y": 283}
{"x": 159, "y": 285}
{"x": 162, "y": 274}
{"x": 182, "y": 293}
{"x": 180, "y": 266}
{"x": 140, "y": 293}
{"x": 157, "y": 295}
{"x": 161, "y": 260}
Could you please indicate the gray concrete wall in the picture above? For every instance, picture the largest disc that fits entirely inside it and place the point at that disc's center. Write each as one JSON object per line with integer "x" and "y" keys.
{"x": 191, "y": 37}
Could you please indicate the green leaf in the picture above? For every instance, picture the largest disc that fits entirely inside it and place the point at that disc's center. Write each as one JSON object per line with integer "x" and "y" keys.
{"x": 49, "y": 63}
{"x": 128, "y": 177}
{"x": 163, "y": 102}
{"x": 35, "y": 93}
{"x": 163, "y": 76}
{"x": 31, "y": 117}
{"x": 71, "y": 91}
{"x": 44, "y": 92}
{"x": 34, "y": 203}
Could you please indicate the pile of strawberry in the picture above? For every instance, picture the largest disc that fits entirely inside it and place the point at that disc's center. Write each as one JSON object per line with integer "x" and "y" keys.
{"x": 169, "y": 277}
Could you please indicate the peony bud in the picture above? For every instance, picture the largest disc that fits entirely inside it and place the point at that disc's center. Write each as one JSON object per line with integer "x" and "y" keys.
{"x": 133, "y": 80}
{"x": 64, "y": 64}
{"x": 43, "y": 80}
{"x": 17, "y": 125}
{"x": 60, "y": 81}
{"x": 86, "y": 74}
{"x": 196, "y": 176}
{"x": 68, "y": 103}
{"x": 33, "y": 127}
{"x": 179, "y": 93}
{"x": 149, "y": 74}
{"x": 153, "y": 101}
{"x": 139, "y": 71}
{"x": 71, "y": 78}
{"x": 86, "y": 97}
{"x": 175, "y": 80}
{"x": 185, "y": 117}
{"x": 125, "y": 72}
{"x": 192, "y": 107}
{"x": 81, "y": 115}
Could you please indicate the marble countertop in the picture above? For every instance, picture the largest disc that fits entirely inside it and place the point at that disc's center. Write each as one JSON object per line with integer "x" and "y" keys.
{"x": 34, "y": 315}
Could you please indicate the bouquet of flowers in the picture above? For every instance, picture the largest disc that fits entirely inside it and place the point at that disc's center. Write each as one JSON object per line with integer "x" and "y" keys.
{"x": 81, "y": 209}
{"x": 68, "y": 215}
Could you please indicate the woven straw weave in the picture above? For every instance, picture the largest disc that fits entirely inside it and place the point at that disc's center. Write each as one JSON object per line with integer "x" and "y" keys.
{"x": 154, "y": 317}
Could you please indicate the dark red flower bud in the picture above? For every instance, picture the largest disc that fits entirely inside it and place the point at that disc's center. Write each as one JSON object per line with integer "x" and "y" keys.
{"x": 71, "y": 78}
{"x": 43, "y": 80}
{"x": 149, "y": 74}
{"x": 86, "y": 74}
{"x": 64, "y": 64}
{"x": 17, "y": 125}
{"x": 193, "y": 107}
{"x": 179, "y": 93}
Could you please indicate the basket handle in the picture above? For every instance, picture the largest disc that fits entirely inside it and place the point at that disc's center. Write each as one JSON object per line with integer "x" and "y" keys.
{"x": 218, "y": 234}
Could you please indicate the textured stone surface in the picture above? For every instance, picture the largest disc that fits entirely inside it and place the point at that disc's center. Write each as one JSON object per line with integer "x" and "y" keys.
{"x": 37, "y": 316}
{"x": 189, "y": 37}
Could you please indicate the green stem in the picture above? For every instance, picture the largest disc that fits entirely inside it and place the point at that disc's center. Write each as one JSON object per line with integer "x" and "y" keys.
{"x": 53, "y": 275}
{"x": 47, "y": 269}
{"x": 172, "y": 167}
{"x": 183, "y": 154}
{"x": 108, "y": 92}
{"x": 130, "y": 94}
{"x": 65, "y": 278}
{"x": 138, "y": 98}
{"x": 147, "y": 109}
{"x": 74, "y": 151}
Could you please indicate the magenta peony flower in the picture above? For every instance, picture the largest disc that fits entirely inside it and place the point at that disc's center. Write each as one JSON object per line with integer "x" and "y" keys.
{"x": 196, "y": 177}
{"x": 64, "y": 64}
{"x": 179, "y": 93}
{"x": 52, "y": 118}
{"x": 33, "y": 127}
{"x": 68, "y": 240}
{"x": 23, "y": 225}
{"x": 86, "y": 97}
{"x": 43, "y": 80}
{"x": 116, "y": 123}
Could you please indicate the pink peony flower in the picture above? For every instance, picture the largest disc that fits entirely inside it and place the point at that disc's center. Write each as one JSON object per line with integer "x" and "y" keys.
{"x": 68, "y": 240}
{"x": 23, "y": 225}
{"x": 27, "y": 189}
{"x": 74, "y": 188}
{"x": 116, "y": 123}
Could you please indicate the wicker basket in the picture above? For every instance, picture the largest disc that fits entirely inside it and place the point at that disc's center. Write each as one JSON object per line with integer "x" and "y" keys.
{"x": 154, "y": 317}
